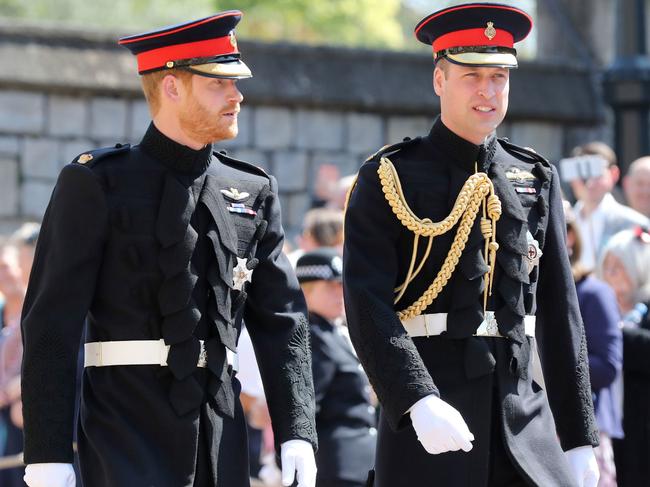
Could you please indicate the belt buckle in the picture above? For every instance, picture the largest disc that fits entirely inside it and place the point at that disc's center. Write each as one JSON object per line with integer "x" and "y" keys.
{"x": 203, "y": 356}
{"x": 489, "y": 326}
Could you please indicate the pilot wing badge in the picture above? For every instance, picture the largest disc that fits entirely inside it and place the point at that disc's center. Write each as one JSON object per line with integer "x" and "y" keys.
{"x": 233, "y": 194}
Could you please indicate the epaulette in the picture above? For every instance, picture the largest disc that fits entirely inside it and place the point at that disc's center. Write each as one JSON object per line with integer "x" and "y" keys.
{"x": 390, "y": 149}
{"x": 91, "y": 158}
{"x": 523, "y": 153}
{"x": 241, "y": 165}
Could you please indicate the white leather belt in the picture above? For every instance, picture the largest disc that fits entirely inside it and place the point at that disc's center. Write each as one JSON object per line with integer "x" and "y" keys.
{"x": 140, "y": 352}
{"x": 436, "y": 323}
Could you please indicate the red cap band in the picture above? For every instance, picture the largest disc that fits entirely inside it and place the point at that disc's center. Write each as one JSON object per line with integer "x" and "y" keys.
{"x": 473, "y": 37}
{"x": 157, "y": 58}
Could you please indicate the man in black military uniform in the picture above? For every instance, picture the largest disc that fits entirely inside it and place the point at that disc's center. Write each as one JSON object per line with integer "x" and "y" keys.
{"x": 164, "y": 247}
{"x": 454, "y": 251}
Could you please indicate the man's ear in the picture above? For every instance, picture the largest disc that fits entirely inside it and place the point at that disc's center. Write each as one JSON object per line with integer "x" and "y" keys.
{"x": 172, "y": 88}
{"x": 438, "y": 78}
{"x": 615, "y": 172}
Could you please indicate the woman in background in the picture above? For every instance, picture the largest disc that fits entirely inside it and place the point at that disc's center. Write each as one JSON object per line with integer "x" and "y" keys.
{"x": 625, "y": 265}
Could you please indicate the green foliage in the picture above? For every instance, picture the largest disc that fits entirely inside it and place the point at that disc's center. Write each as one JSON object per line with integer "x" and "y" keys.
{"x": 126, "y": 14}
{"x": 358, "y": 22}
{"x": 347, "y": 22}
{"x": 368, "y": 23}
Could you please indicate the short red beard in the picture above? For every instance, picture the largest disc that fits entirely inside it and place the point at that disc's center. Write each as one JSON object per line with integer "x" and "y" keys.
{"x": 203, "y": 126}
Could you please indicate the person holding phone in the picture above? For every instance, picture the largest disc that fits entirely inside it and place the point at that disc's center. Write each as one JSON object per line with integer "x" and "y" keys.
{"x": 598, "y": 215}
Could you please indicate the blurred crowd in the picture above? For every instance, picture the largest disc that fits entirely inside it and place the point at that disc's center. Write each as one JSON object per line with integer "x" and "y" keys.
{"x": 608, "y": 239}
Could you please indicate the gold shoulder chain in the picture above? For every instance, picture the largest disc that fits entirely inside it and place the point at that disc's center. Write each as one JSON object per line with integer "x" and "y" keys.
{"x": 477, "y": 190}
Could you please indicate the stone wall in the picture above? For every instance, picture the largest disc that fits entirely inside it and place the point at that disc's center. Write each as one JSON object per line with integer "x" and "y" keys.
{"x": 72, "y": 91}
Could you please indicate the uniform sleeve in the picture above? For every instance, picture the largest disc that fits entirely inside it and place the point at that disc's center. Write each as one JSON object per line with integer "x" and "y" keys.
{"x": 61, "y": 287}
{"x": 561, "y": 335}
{"x": 275, "y": 315}
{"x": 370, "y": 265}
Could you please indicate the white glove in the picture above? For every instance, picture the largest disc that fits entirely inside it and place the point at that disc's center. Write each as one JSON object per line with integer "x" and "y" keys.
{"x": 298, "y": 455}
{"x": 583, "y": 465}
{"x": 49, "y": 475}
{"x": 439, "y": 426}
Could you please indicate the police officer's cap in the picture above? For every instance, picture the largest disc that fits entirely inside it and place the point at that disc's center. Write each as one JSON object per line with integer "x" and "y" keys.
{"x": 206, "y": 47}
{"x": 475, "y": 34}
{"x": 322, "y": 264}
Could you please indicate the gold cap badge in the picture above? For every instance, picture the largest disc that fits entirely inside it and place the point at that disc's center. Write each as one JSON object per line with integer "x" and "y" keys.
{"x": 490, "y": 31}
{"x": 170, "y": 64}
{"x": 84, "y": 158}
{"x": 233, "y": 41}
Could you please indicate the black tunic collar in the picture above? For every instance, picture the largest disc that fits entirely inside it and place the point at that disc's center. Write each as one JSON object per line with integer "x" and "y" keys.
{"x": 175, "y": 156}
{"x": 462, "y": 152}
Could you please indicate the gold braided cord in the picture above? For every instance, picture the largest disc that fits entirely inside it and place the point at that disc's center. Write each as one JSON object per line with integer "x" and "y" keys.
{"x": 392, "y": 189}
{"x": 409, "y": 274}
{"x": 407, "y": 281}
{"x": 466, "y": 207}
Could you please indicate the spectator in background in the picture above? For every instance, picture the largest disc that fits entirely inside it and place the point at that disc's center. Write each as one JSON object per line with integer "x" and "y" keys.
{"x": 601, "y": 318}
{"x": 15, "y": 265}
{"x": 341, "y": 191}
{"x": 325, "y": 183}
{"x": 636, "y": 185}
{"x": 598, "y": 215}
{"x": 321, "y": 227}
{"x": 345, "y": 418}
{"x": 625, "y": 266}
{"x": 330, "y": 188}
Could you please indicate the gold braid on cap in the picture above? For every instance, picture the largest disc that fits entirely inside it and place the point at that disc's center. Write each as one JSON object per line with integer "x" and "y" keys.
{"x": 477, "y": 190}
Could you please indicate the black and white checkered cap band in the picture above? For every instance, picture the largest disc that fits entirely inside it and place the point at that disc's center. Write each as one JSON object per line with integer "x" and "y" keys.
{"x": 315, "y": 272}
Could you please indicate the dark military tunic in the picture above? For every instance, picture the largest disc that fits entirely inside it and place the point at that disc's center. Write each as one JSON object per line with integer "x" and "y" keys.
{"x": 141, "y": 242}
{"x": 345, "y": 419}
{"x": 484, "y": 378}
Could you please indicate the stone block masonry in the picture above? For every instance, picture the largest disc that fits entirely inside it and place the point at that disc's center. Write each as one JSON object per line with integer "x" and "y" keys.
{"x": 295, "y": 116}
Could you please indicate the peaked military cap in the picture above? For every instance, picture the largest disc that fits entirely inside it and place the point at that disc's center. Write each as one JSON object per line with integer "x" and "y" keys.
{"x": 206, "y": 47}
{"x": 321, "y": 264}
{"x": 475, "y": 34}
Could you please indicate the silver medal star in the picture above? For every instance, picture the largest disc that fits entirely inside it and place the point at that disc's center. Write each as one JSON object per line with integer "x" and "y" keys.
{"x": 534, "y": 252}
{"x": 241, "y": 274}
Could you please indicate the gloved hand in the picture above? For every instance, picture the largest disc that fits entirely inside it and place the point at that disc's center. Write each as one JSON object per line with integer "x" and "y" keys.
{"x": 439, "y": 426}
{"x": 298, "y": 455}
{"x": 583, "y": 465}
{"x": 49, "y": 475}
